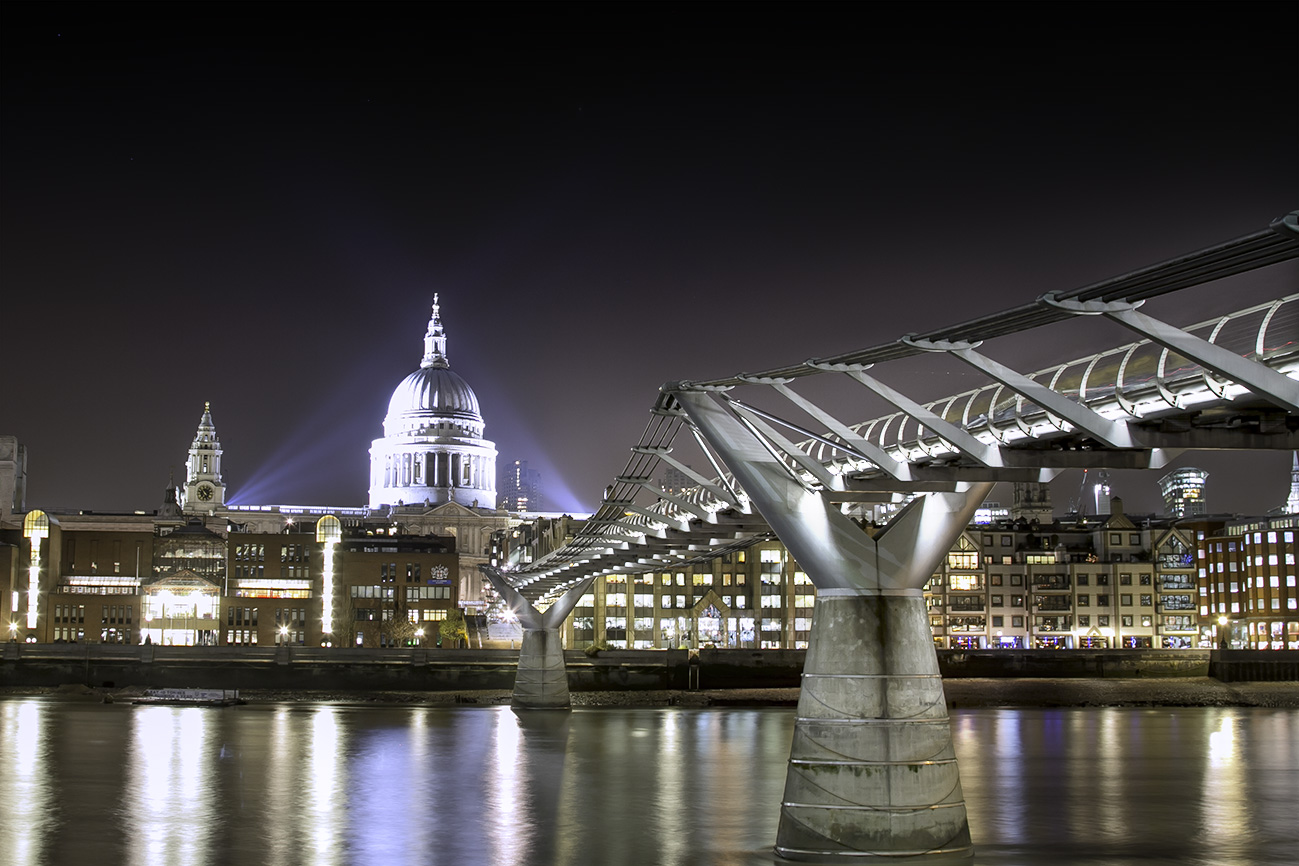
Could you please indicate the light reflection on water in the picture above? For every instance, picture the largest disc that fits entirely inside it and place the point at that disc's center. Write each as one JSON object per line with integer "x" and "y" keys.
{"x": 334, "y": 785}
{"x": 1128, "y": 786}
{"x": 26, "y": 819}
{"x": 168, "y": 802}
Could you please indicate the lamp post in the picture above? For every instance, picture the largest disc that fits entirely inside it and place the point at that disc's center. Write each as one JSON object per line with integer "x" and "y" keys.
{"x": 1223, "y": 633}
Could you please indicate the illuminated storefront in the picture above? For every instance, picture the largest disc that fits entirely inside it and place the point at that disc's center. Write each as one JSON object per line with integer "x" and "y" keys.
{"x": 181, "y": 610}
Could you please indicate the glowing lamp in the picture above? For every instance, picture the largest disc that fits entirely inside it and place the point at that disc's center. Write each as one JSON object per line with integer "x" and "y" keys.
{"x": 329, "y": 532}
{"x": 36, "y": 526}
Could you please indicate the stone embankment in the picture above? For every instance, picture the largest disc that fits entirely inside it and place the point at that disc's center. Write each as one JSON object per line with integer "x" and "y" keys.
{"x": 961, "y": 694}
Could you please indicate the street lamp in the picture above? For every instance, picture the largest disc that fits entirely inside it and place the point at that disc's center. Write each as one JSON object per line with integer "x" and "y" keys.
{"x": 419, "y": 636}
{"x": 1223, "y": 643}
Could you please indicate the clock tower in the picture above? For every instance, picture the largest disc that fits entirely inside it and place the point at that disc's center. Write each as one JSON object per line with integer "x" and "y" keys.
{"x": 204, "y": 490}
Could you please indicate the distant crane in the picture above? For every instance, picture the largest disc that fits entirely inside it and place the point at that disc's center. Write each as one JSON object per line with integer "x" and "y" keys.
{"x": 1099, "y": 495}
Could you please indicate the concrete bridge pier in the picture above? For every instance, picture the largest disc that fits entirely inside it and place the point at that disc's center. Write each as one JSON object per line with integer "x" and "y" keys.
{"x": 541, "y": 682}
{"x": 872, "y": 771}
{"x": 542, "y": 679}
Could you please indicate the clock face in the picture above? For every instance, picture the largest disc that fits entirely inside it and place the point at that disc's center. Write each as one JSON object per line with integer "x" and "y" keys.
{"x": 205, "y": 493}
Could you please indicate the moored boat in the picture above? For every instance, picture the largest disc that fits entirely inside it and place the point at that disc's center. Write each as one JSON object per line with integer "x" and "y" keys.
{"x": 191, "y": 697}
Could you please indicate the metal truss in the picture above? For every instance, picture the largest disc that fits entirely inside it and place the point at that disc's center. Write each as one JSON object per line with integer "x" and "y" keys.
{"x": 1228, "y": 383}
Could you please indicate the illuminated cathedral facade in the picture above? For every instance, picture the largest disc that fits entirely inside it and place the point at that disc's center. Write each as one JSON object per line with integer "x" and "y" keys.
{"x": 432, "y": 449}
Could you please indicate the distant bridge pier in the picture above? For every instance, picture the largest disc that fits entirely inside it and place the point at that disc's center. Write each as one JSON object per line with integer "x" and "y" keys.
{"x": 872, "y": 769}
{"x": 541, "y": 682}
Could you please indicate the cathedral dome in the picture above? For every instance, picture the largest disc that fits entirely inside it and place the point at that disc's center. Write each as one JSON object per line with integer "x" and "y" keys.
{"x": 429, "y": 394}
{"x": 433, "y": 450}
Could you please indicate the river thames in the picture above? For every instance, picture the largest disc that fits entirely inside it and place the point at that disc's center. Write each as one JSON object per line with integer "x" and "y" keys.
{"x": 333, "y": 785}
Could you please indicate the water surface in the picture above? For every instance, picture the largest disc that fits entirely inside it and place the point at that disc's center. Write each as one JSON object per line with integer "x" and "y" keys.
{"x": 331, "y": 785}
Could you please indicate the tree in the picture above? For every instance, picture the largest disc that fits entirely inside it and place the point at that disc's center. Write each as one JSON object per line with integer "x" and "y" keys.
{"x": 453, "y": 627}
{"x": 398, "y": 630}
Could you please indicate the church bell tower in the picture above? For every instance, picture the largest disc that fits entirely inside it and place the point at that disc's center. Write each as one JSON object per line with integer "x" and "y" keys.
{"x": 204, "y": 489}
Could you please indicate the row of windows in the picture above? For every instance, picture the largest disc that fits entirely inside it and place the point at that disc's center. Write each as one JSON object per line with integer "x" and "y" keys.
{"x": 1116, "y": 538}
{"x": 1290, "y": 604}
{"x": 250, "y": 551}
{"x": 291, "y": 617}
{"x": 1062, "y": 623}
{"x": 1274, "y": 582}
{"x": 681, "y": 602}
{"x": 427, "y": 593}
{"x": 701, "y": 579}
{"x": 70, "y": 613}
{"x": 112, "y": 614}
{"x": 271, "y": 592}
{"x": 1272, "y": 538}
{"x": 974, "y": 582}
{"x": 391, "y": 572}
{"x": 295, "y": 552}
{"x": 386, "y": 593}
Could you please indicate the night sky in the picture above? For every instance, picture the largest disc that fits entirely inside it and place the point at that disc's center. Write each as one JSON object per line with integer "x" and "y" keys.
{"x": 253, "y": 205}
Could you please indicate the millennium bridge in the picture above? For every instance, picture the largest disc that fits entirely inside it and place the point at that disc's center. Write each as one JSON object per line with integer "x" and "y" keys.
{"x": 872, "y": 772}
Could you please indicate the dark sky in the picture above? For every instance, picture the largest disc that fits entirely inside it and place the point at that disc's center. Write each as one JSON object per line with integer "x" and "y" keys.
{"x": 253, "y": 204}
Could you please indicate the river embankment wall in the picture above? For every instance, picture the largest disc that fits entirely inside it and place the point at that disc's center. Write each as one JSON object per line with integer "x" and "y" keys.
{"x": 356, "y": 669}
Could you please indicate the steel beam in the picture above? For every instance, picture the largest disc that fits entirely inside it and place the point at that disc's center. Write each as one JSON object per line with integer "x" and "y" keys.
{"x": 869, "y": 450}
{"x": 988, "y": 455}
{"x": 1113, "y": 433}
{"x": 663, "y": 454}
{"x": 1251, "y": 375}
{"x": 680, "y": 502}
{"x": 774, "y": 438}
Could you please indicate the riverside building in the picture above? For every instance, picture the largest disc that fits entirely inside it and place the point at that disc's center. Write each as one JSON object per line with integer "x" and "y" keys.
{"x": 1246, "y": 582}
{"x": 1085, "y": 583}
{"x": 200, "y": 571}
